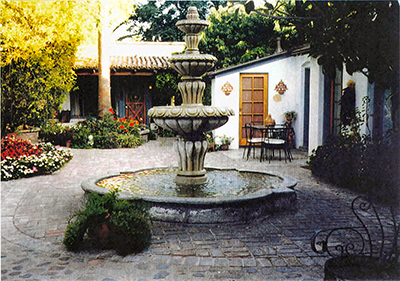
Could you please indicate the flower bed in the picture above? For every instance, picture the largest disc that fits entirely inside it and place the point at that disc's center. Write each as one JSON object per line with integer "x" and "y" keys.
{"x": 20, "y": 158}
{"x": 108, "y": 132}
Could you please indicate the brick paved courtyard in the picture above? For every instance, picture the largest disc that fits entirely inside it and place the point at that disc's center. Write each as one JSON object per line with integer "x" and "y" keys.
{"x": 35, "y": 213}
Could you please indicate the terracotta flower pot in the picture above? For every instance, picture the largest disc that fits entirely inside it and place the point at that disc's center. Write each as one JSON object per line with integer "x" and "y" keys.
{"x": 224, "y": 147}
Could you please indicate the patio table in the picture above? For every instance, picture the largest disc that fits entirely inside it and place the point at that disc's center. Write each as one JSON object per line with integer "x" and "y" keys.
{"x": 275, "y": 137}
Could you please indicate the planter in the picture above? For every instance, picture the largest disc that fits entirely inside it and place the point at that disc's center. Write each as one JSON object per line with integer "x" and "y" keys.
{"x": 224, "y": 147}
{"x": 211, "y": 146}
{"x": 68, "y": 143}
{"x": 30, "y": 135}
{"x": 145, "y": 134}
{"x": 99, "y": 231}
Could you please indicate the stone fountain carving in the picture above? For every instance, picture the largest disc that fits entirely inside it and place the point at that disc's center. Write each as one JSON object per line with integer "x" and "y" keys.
{"x": 192, "y": 118}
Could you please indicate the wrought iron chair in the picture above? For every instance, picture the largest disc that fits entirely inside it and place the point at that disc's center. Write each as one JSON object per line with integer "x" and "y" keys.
{"x": 253, "y": 140}
{"x": 276, "y": 139}
{"x": 366, "y": 252}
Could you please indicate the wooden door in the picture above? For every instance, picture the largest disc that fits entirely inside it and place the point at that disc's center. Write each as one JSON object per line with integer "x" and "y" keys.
{"x": 135, "y": 108}
{"x": 253, "y": 101}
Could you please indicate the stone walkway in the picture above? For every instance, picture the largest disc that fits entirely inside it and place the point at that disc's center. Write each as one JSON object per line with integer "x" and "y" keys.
{"x": 35, "y": 213}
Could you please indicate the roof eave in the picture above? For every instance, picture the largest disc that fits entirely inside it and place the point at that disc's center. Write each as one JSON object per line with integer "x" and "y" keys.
{"x": 295, "y": 52}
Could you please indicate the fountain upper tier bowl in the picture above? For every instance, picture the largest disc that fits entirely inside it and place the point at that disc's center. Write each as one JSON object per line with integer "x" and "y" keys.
{"x": 192, "y": 65}
{"x": 230, "y": 195}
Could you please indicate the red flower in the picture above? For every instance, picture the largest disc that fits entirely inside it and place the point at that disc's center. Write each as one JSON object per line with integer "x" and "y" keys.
{"x": 112, "y": 111}
{"x": 17, "y": 148}
{"x": 127, "y": 131}
{"x": 131, "y": 124}
{"x": 122, "y": 127}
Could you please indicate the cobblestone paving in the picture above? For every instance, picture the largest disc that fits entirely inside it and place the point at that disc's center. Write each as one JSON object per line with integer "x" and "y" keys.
{"x": 35, "y": 213}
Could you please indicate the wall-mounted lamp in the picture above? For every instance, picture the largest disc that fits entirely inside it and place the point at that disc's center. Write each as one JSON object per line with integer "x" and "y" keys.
{"x": 227, "y": 88}
{"x": 281, "y": 87}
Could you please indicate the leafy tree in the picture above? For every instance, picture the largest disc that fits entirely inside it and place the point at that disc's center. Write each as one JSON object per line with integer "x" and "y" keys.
{"x": 166, "y": 86}
{"x": 364, "y": 35}
{"x": 235, "y": 37}
{"x": 39, "y": 41}
{"x": 156, "y": 21}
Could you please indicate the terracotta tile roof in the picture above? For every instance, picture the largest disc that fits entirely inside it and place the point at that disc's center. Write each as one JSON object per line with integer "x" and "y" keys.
{"x": 126, "y": 62}
{"x": 131, "y": 56}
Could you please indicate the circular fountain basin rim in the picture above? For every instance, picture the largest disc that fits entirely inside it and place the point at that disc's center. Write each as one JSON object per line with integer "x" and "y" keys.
{"x": 286, "y": 186}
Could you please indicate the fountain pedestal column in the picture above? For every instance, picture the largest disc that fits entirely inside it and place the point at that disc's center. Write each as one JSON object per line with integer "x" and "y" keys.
{"x": 191, "y": 155}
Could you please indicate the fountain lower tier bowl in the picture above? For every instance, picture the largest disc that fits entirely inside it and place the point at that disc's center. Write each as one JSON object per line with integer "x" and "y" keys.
{"x": 229, "y": 195}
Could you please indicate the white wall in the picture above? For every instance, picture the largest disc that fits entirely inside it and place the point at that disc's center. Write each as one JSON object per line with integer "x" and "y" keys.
{"x": 67, "y": 104}
{"x": 290, "y": 70}
{"x": 316, "y": 106}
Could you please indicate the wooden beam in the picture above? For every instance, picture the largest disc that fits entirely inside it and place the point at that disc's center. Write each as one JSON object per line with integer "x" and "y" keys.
{"x": 133, "y": 73}
{"x": 117, "y": 73}
{"x": 87, "y": 73}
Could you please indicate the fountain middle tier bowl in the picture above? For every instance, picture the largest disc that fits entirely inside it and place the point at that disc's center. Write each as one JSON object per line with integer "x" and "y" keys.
{"x": 229, "y": 195}
{"x": 192, "y": 65}
{"x": 185, "y": 120}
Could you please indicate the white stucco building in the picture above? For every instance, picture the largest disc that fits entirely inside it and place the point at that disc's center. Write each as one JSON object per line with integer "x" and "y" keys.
{"x": 311, "y": 94}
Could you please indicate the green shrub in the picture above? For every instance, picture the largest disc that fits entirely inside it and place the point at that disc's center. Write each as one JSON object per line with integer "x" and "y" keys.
{"x": 129, "y": 140}
{"x": 105, "y": 133}
{"x": 52, "y": 132}
{"x": 108, "y": 132}
{"x": 381, "y": 172}
{"x": 338, "y": 161}
{"x": 165, "y": 133}
{"x": 353, "y": 162}
{"x": 110, "y": 222}
{"x": 80, "y": 138}
{"x": 106, "y": 140}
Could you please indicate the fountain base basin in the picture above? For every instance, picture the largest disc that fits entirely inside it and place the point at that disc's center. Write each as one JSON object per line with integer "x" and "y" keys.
{"x": 200, "y": 204}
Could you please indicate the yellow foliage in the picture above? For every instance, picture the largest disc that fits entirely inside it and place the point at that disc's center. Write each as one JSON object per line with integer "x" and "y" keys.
{"x": 27, "y": 26}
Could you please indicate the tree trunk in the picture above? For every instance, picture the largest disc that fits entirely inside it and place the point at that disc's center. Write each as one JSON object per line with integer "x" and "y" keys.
{"x": 104, "y": 62}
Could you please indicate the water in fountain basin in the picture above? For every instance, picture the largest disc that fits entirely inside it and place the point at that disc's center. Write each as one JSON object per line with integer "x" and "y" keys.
{"x": 219, "y": 183}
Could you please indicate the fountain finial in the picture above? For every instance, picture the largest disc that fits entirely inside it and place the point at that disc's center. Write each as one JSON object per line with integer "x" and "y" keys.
{"x": 192, "y": 13}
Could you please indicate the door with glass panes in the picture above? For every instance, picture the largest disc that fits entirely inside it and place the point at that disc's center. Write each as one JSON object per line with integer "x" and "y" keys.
{"x": 253, "y": 101}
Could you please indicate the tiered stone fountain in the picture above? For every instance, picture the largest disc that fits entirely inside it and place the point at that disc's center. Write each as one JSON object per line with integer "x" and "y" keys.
{"x": 228, "y": 195}
{"x": 192, "y": 118}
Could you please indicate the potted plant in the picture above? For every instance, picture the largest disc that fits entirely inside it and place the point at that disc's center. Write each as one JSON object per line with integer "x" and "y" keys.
{"x": 110, "y": 222}
{"x": 225, "y": 142}
{"x": 290, "y": 117}
{"x": 211, "y": 141}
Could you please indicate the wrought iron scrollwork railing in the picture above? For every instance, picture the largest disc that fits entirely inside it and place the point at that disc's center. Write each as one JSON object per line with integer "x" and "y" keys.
{"x": 357, "y": 241}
